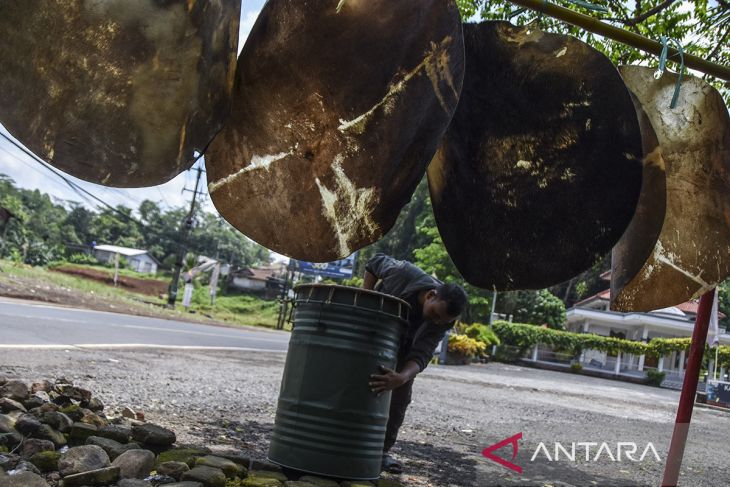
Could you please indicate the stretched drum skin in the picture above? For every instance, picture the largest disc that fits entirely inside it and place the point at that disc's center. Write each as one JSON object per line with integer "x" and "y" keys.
{"x": 638, "y": 241}
{"x": 540, "y": 170}
{"x": 338, "y": 107}
{"x": 117, "y": 92}
{"x": 692, "y": 254}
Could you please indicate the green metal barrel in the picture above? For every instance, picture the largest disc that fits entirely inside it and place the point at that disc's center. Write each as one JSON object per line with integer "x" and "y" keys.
{"x": 328, "y": 422}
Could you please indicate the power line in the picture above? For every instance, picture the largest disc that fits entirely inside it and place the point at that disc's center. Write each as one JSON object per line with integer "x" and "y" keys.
{"x": 75, "y": 187}
{"x": 33, "y": 168}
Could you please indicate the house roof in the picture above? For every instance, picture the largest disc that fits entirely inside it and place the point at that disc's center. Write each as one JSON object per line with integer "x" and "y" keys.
{"x": 258, "y": 274}
{"x": 125, "y": 251}
{"x": 690, "y": 307}
{"x": 603, "y": 296}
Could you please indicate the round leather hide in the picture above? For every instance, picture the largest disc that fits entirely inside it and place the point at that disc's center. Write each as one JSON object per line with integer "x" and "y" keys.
{"x": 539, "y": 173}
{"x": 339, "y": 106}
{"x": 117, "y": 92}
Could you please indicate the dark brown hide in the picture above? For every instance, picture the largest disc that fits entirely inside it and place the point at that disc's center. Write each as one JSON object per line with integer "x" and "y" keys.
{"x": 638, "y": 241}
{"x": 540, "y": 171}
{"x": 339, "y": 105}
{"x": 692, "y": 254}
{"x": 117, "y": 92}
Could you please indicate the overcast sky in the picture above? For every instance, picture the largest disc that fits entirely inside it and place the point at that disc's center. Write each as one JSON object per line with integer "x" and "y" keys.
{"x": 28, "y": 173}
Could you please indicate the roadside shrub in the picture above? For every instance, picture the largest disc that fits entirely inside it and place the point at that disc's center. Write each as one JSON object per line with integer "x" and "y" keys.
{"x": 355, "y": 281}
{"x": 79, "y": 258}
{"x": 655, "y": 378}
{"x": 41, "y": 254}
{"x": 576, "y": 368}
{"x": 465, "y": 346}
{"x": 482, "y": 333}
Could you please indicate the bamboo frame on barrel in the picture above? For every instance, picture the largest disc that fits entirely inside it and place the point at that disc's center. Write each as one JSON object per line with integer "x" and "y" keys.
{"x": 632, "y": 39}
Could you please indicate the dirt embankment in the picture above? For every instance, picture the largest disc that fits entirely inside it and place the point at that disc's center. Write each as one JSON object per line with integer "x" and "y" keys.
{"x": 150, "y": 287}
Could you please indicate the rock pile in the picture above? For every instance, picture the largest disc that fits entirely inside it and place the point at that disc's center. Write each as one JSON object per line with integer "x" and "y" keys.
{"x": 55, "y": 434}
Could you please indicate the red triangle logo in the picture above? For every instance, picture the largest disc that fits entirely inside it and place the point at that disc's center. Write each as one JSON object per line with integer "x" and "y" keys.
{"x": 512, "y": 440}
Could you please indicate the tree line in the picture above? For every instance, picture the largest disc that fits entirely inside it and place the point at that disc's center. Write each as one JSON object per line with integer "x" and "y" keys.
{"x": 48, "y": 229}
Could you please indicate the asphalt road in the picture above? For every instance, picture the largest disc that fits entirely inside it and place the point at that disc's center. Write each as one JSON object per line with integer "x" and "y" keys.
{"x": 227, "y": 400}
{"x": 32, "y": 325}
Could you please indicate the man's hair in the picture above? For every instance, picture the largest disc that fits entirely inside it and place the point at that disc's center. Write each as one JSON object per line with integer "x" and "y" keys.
{"x": 455, "y": 297}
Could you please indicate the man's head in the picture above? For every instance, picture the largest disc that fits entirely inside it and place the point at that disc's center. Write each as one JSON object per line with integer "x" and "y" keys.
{"x": 444, "y": 304}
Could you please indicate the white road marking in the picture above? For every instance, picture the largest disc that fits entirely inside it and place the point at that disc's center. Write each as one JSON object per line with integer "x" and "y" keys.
{"x": 90, "y": 346}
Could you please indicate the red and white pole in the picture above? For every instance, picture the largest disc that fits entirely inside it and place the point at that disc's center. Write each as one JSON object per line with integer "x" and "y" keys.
{"x": 689, "y": 391}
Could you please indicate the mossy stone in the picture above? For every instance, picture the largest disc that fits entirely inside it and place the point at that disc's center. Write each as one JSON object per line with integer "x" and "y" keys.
{"x": 80, "y": 432}
{"x": 46, "y": 461}
{"x": 388, "y": 483}
{"x": 231, "y": 469}
{"x": 319, "y": 481}
{"x": 261, "y": 482}
{"x": 73, "y": 411}
{"x": 268, "y": 474}
{"x": 103, "y": 476}
{"x": 185, "y": 455}
{"x": 208, "y": 476}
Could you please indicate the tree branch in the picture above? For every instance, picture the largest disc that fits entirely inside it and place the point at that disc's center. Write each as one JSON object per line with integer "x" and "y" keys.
{"x": 719, "y": 46}
{"x": 652, "y": 11}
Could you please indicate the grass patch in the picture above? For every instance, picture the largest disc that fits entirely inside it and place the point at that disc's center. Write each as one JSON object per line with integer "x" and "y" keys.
{"x": 239, "y": 309}
{"x": 20, "y": 280}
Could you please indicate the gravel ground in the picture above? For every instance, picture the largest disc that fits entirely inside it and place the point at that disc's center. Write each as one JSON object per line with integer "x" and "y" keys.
{"x": 227, "y": 400}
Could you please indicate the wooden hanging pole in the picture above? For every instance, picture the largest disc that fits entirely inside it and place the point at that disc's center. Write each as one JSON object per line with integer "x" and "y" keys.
{"x": 623, "y": 36}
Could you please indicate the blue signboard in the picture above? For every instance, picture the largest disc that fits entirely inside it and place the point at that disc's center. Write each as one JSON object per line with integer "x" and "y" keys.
{"x": 718, "y": 391}
{"x": 338, "y": 269}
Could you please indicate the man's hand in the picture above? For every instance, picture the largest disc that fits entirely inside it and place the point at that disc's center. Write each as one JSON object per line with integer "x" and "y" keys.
{"x": 387, "y": 381}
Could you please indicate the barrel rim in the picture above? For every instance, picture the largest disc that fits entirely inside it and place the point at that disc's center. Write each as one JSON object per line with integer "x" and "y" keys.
{"x": 352, "y": 288}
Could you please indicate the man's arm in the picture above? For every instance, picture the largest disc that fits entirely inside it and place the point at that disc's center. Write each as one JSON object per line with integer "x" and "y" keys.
{"x": 390, "y": 379}
{"x": 369, "y": 280}
{"x": 425, "y": 343}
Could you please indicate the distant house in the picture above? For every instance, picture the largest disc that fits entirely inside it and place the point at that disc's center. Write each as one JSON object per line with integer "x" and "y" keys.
{"x": 265, "y": 281}
{"x": 137, "y": 259}
{"x": 593, "y": 315}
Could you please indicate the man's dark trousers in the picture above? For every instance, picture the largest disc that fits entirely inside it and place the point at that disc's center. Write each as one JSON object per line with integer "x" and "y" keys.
{"x": 399, "y": 400}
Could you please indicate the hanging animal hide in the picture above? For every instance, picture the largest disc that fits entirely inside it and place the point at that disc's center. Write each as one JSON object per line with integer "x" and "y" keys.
{"x": 637, "y": 243}
{"x": 117, "y": 92}
{"x": 692, "y": 254}
{"x": 540, "y": 171}
{"x": 339, "y": 105}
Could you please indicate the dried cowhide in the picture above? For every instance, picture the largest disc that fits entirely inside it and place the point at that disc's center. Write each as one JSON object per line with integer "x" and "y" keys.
{"x": 692, "y": 254}
{"x": 117, "y": 92}
{"x": 638, "y": 241}
{"x": 540, "y": 171}
{"x": 338, "y": 107}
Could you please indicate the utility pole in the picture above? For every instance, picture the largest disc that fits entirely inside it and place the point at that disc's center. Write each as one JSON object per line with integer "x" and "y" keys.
{"x": 491, "y": 318}
{"x": 494, "y": 307}
{"x": 284, "y": 299}
{"x": 184, "y": 232}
